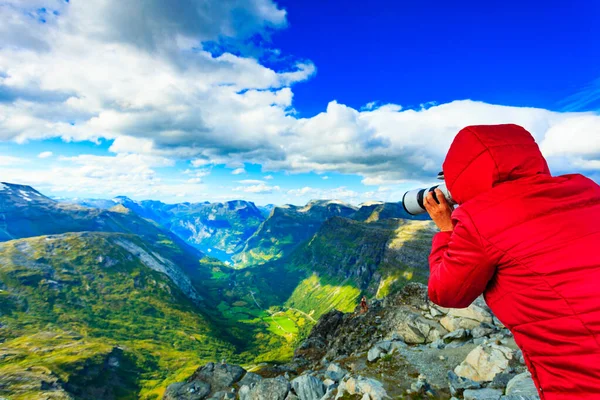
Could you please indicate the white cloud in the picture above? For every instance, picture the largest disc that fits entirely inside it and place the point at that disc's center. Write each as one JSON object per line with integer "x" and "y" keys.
{"x": 238, "y": 171}
{"x": 325, "y": 177}
{"x": 251, "y": 182}
{"x": 133, "y": 175}
{"x": 339, "y": 193}
{"x": 198, "y": 173}
{"x": 147, "y": 83}
{"x": 10, "y": 161}
{"x": 260, "y": 188}
{"x": 45, "y": 154}
{"x": 268, "y": 177}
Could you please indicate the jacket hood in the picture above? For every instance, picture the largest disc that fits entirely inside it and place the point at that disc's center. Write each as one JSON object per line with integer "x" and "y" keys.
{"x": 484, "y": 156}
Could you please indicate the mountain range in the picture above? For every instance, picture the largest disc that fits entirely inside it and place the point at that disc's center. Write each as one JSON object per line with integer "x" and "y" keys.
{"x": 83, "y": 280}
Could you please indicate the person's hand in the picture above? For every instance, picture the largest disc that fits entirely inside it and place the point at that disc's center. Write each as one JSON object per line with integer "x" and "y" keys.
{"x": 440, "y": 213}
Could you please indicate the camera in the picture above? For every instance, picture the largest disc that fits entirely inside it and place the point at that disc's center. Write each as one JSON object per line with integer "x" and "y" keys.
{"x": 413, "y": 199}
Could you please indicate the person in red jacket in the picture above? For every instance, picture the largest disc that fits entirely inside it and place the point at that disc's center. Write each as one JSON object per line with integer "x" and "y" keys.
{"x": 530, "y": 242}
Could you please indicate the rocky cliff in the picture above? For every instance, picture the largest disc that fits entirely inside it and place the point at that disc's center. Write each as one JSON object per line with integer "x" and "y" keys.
{"x": 403, "y": 347}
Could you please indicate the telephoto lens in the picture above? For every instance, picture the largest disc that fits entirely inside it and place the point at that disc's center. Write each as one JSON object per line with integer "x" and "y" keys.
{"x": 413, "y": 199}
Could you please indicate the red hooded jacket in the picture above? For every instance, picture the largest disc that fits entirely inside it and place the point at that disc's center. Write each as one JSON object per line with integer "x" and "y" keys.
{"x": 530, "y": 242}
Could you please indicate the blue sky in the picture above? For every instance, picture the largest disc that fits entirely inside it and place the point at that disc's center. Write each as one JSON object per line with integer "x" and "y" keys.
{"x": 286, "y": 101}
{"x": 521, "y": 53}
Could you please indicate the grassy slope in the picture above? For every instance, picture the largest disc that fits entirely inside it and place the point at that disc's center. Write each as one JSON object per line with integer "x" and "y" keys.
{"x": 286, "y": 228}
{"x": 281, "y": 300}
{"x": 87, "y": 285}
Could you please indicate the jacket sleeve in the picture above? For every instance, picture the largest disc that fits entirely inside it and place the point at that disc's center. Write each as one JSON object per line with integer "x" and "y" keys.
{"x": 459, "y": 267}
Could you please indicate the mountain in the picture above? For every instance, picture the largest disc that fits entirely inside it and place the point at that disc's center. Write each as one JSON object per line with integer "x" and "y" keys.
{"x": 266, "y": 210}
{"x": 287, "y": 227}
{"x": 342, "y": 261}
{"x": 24, "y": 212}
{"x": 375, "y": 211}
{"x": 101, "y": 315}
{"x": 219, "y": 229}
{"x": 375, "y": 255}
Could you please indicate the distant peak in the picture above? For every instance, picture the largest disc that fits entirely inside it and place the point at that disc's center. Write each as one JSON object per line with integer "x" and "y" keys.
{"x": 371, "y": 203}
{"x": 324, "y": 203}
{"x": 121, "y": 199}
{"x": 23, "y": 192}
{"x": 120, "y": 208}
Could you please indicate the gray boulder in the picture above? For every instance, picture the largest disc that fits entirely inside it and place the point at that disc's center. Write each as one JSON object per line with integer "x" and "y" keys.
{"x": 375, "y": 353}
{"x": 483, "y": 394}
{"x": 308, "y": 387}
{"x": 522, "y": 385}
{"x": 501, "y": 380}
{"x": 458, "y": 334}
{"x": 459, "y": 384}
{"x": 335, "y": 372}
{"x": 222, "y": 395}
{"x": 367, "y": 387}
{"x": 187, "y": 391}
{"x": 484, "y": 329}
{"x": 219, "y": 376}
{"x": 250, "y": 379}
{"x": 413, "y": 328}
{"x": 267, "y": 389}
{"x": 483, "y": 363}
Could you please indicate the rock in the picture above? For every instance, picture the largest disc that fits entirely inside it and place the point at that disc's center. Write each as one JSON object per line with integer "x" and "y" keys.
{"x": 483, "y": 363}
{"x": 267, "y": 389}
{"x": 331, "y": 393}
{"x": 484, "y": 329}
{"x": 473, "y": 312}
{"x": 497, "y": 322}
{"x": 335, "y": 372}
{"x": 291, "y": 396}
{"x": 328, "y": 383}
{"x": 308, "y": 387}
{"x": 436, "y": 312}
{"x": 386, "y": 345}
{"x": 455, "y": 344}
{"x": 222, "y": 395}
{"x": 397, "y": 345}
{"x": 244, "y": 392}
{"x": 187, "y": 391}
{"x": 457, "y": 334}
{"x": 362, "y": 386}
{"x": 250, "y": 379}
{"x": 519, "y": 357}
{"x": 453, "y": 323}
{"x": 421, "y": 386}
{"x": 459, "y": 384}
{"x": 413, "y": 294}
{"x": 374, "y": 354}
{"x": 501, "y": 380}
{"x": 433, "y": 335}
{"x": 219, "y": 376}
{"x": 482, "y": 394}
{"x": 522, "y": 385}
{"x": 413, "y": 328}
{"x": 438, "y": 344}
